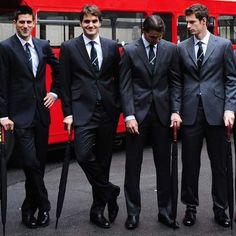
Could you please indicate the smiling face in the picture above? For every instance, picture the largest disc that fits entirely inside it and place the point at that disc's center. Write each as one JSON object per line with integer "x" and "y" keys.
{"x": 24, "y": 26}
{"x": 90, "y": 25}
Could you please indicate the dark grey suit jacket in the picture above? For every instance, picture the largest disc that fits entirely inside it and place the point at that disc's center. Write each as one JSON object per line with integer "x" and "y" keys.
{"x": 78, "y": 80}
{"x": 139, "y": 88}
{"x": 20, "y": 92}
{"x": 216, "y": 83}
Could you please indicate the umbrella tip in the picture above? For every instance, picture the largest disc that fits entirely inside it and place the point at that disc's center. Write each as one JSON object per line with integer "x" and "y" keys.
{"x": 56, "y": 223}
{"x": 4, "y": 230}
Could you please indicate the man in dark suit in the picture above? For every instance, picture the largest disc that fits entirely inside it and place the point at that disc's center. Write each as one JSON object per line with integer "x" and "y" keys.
{"x": 208, "y": 105}
{"x": 149, "y": 75}
{"x": 89, "y": 81}
{"x": 24, "y": 108}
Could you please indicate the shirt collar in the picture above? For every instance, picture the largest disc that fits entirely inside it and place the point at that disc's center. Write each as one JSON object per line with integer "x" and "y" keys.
{"x": 146, "y": 43}
{"x": 87, "y": 40}
{"x": 204, "y": 40}
{"x": 23, "y": 42}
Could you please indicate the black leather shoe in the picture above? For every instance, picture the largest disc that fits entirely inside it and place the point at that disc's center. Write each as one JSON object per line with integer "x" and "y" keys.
{"x": 189, "y": 218}
{"x": 113, "y": 207}
{"x": 132, "y": 222}
{"x": 29, "y": 221}
{"x": 99, "y": 220}
{"x": 166, "y": 220}
{"x": 222, "y": 219}
{"x": 43, "y": 218}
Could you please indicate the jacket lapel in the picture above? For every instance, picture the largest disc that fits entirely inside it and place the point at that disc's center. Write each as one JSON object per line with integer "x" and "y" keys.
{"x": 210, "y": 48}
{"x": 105, "y": 51}
{"x": 20, "y": 51}
{"x": 141, "y": 51}
{"x": 39, "y": 51}
{"x": 191, "y": 50}
{"x": 84, "y": 54}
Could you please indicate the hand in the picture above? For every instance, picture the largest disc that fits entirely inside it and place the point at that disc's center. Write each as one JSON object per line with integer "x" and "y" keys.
{"x": 175, "y": 117}
{"x": 68, "y": 121}
{"x": 132, "y": 126}
{"x": 49, "y": 100}
{"x": 7, "y": 124}
{"x": 229, "y": 118}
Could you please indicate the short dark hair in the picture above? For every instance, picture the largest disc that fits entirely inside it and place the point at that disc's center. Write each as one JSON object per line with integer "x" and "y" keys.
{"x": 154, "y": 22}
{"x": 199, "y": 10}
{"x": 22, "y": 10}
{"x": 92, "y": 10}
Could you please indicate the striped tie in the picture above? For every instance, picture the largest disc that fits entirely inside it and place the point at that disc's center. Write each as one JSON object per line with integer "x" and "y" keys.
{"x": 152, "y": 57}
{"x": 200, "y": 55}
{"x": 94, "y": 57}
{"x": 28, "y": 55}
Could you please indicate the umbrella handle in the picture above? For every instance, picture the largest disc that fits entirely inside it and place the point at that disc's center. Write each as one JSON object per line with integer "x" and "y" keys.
{"x": 175, "y": 131}
{"x": 70, "y": 135}
{"x": 2, "y": 138}
{"x": 229, "y": 129}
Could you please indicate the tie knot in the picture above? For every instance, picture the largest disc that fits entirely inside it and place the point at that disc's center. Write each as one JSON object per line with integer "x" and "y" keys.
{"x": 200, "y": 43}
{"x": 92, "y": 43}
{"x": 151, "y": 46}
{"x": 27, "y": 45}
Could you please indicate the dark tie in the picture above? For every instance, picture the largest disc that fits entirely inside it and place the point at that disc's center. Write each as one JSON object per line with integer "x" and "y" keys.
{"x": 152, "y": 57}
{"x": 200, "y": 55}
{"x": 28, "y": 55}
{"x": 94, "y": 61}
{"x": 94, "y": 57}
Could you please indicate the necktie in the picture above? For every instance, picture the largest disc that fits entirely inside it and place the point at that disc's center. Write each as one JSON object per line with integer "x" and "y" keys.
{"x": 200, "y": 55}
{"x": 94, "y": 57}
{"x": 152, "y": 57}
{"x": 94, "y": 61}
{"x": 28, "y": 55}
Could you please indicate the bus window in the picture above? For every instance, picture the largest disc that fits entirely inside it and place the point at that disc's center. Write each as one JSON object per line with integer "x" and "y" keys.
{"x": 6, "y": 26}
{"x": 124, "y": 27}
{"x": 182, "y": 27}
{"x": 57, "y": 26}
{"x": 167, "y": 18}
{"x": 227, "y": 27}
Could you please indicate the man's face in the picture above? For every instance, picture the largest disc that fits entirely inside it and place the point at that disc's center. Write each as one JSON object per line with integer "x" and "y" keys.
{"x": 90, "y": 26}
{"x": 24, "y": 26}
{"x": 195, "y": 26}
{"x": 153, "y": 36}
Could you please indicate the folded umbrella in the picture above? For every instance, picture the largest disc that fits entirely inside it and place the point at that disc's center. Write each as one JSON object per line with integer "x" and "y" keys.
{"x": 174, "y": 173}
{"x": 63, "y": 180}
{"x": 229, "y": 168}
{"x": 3, "y": 180}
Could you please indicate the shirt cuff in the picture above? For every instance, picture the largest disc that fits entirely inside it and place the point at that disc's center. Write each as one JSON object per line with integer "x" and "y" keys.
{"x": 54, "y": 94}
{"x": 131, "y": 117}
{"x": 4, "y": 118}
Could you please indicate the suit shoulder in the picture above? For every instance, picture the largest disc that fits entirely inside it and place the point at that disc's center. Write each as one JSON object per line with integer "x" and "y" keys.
{"x": 70, "y": 42}
{"x": 221, "y": 39}
{"x": 108, "y": 41}
{"x": 168, "y": 43}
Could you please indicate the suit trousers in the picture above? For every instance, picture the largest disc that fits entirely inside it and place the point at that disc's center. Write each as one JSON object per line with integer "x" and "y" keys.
{"x": 161, "y": 143}
{"x": 33, "y": 142}
{"x": 93, "y": 148}
{"x": 192, "y": 141}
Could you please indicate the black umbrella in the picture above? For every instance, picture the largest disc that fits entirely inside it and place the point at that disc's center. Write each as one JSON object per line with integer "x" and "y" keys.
{"x": 174, "y": 174}
{"x": 3, "y": 180}
{"x": 230, "y": 185}
{"x": 63, "y": 180}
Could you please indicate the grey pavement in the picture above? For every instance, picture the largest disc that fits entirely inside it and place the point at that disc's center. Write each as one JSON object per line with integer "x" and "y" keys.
{"x": 74, "y": 219}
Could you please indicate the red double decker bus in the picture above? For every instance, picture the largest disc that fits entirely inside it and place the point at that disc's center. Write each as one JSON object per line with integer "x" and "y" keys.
{"x": 58, "y": 20}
